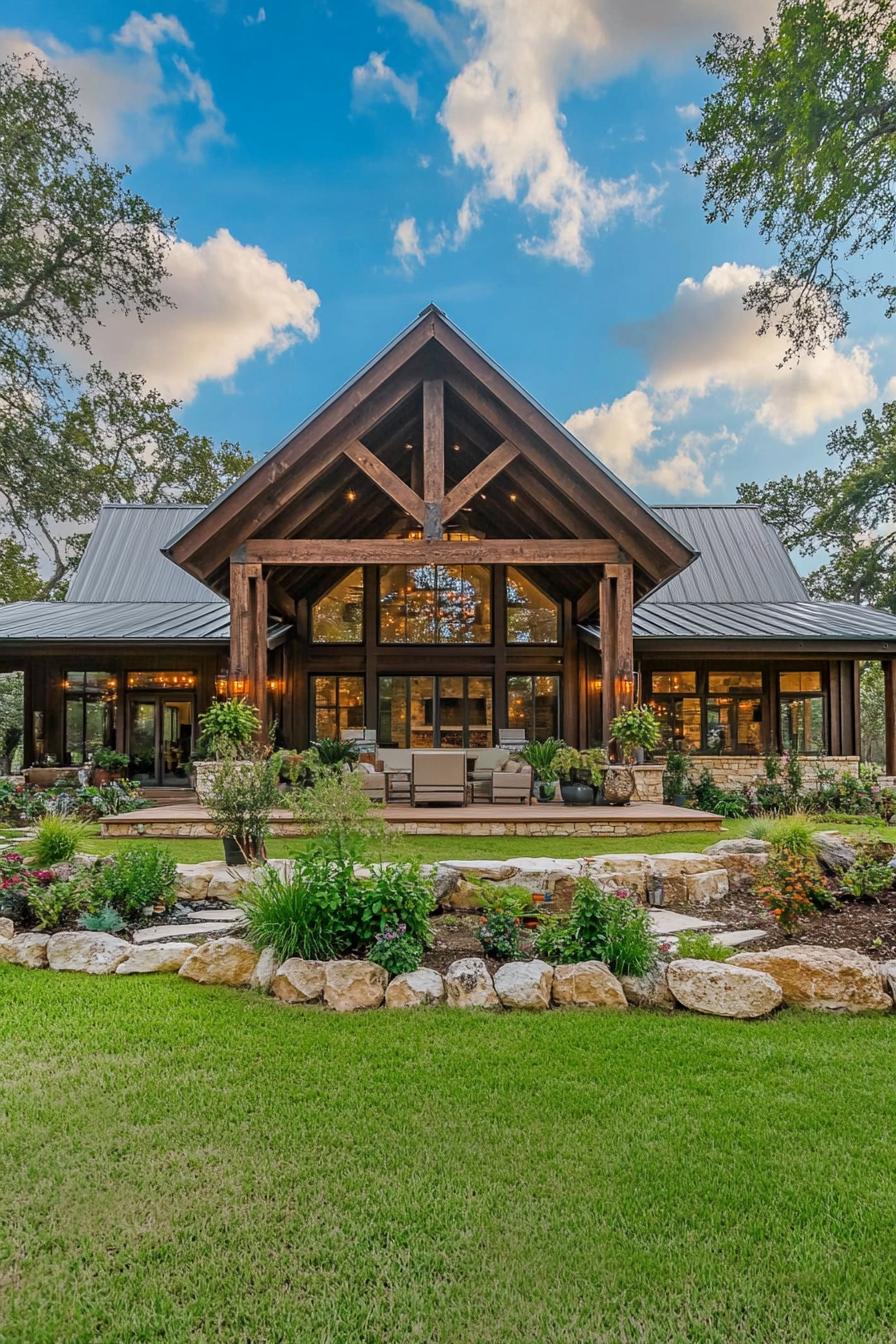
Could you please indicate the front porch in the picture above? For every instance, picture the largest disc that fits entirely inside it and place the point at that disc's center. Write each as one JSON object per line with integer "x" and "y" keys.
{"x": 191, "y": 821}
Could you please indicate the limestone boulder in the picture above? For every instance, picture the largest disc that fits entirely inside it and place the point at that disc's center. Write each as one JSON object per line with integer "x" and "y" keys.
{"x": 154, "y": 958}
{"x": 299, "y": 981}
{"x": 444, "y": 882}
{"x": 265, "y": 970}
{"x": 629, "y": 871}
{"x": 464, "y": 895}
{"x": 93, "y": 953}
{"x": 587, "y": 984}
{"x": 468, "y": 984}
{"x": 826, "y": 978}
{"x": 221, "y": 961}
{"x": 26, "y": 949}
{"x": 227, "y": 883}
{"x": 721, "y": 989}
{"x": 648, "y": 991}
{"x": 416, "y": 989}
{"x": 487, "y": 870}
{"x": 673, "y": 871}
{"x": 704, "y": 888}
{"x": 352, "y": 985}
{"x": 524, "y": 984}
{"x": 7, "y": 928}
{"x": 193, "y": 879}
{"x": 887, "y": 971}
{"x": 834, "y": 851}
{"x": 743, "y": 861}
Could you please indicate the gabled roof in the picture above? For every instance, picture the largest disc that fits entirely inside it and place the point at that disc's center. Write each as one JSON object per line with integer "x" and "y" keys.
{"x": 129, "y": 622}
{"x": 555, "y": 475}
{"x": 123, "y": 560}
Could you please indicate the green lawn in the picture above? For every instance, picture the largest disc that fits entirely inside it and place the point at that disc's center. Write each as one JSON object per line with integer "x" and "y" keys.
{"x": 183, "y": 1163}
{"x": 432, "y": 847}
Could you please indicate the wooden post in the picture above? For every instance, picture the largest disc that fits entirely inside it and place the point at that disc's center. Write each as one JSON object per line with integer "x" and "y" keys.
{"x": 433, "y": 457}
{"x": 499, "y": 626}
{"x": 248, "y": 632}
{"x": 607, "y": 618}
{"x": 370, "y": 577}
{"x": 889, "y": 666}
{"x": 258, "y": 683}
{"x": 570, "y": 681}
{"x": 625, "y": 657}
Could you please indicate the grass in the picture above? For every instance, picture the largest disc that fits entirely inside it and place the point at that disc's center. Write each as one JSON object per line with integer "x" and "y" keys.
{"x": 184, "y": 1163}
{"x": 430, "y": 848}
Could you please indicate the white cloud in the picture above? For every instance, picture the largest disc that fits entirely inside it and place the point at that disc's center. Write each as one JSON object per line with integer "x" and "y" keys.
{"x": 406, "y": 244}
{"x": 706, "y": 339}
{"x": 502, "y": 110}
{"x": 424, "y": 24}
{"x": 376, "y": 81}
{"x": 252, "y": 20}
{"x": 688, "y": 111}
{"x": 232, "y": 302}
{"x": 141, "y": 100}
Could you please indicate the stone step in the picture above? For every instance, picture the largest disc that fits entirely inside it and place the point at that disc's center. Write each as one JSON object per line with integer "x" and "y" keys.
{"x": 737, "y": 937}
{"x": 231, "y": 916}
{"x": 669, "y": 921}
{"x": 162, "y": 932}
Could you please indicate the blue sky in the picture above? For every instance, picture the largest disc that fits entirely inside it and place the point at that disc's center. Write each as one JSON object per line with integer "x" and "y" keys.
{"x": 334, "y": 167}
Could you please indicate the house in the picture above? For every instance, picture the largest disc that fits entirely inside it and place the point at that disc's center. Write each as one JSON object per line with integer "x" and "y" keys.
{"x": 433, "y": 555}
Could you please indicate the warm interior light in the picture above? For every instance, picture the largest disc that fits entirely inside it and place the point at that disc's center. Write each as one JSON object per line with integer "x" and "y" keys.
{"x": 221, "y": 684}
{"x": 351, "y": 496}
{"x": 513, "y": 498}
{"x": 275, "y": 685}
{"x": 456, "y": 447}
{"x": 239, "y": 685}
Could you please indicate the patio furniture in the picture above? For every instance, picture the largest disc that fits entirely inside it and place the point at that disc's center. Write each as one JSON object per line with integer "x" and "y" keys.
{"x": 512, "y": 783}
{"x": 512, "y": 738}
{"x": 365, "y": 739}
{"x": 438, "y": 777}
{"x": 482, "y": 767}
{"x": 396, "y": 764}
{"x": 373, "y": 781}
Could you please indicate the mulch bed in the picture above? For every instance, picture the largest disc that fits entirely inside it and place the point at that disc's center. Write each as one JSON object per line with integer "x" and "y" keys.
{"x": 868, "y": 927}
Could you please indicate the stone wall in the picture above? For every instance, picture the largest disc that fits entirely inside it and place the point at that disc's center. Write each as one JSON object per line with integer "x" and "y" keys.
{"x": 738, "y": 772}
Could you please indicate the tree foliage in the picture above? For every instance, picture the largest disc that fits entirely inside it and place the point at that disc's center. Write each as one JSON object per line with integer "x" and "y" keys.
{"x": 845, "y": 512}
{"x": 801, "y": 137}
{"x": 75, "y": 245}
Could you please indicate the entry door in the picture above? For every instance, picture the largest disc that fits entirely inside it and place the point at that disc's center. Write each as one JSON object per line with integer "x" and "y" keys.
{"x": 160, "y": 738}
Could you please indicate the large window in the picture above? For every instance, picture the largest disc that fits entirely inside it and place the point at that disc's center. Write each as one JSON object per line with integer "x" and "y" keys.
{"x": 679, "y": 709}
{"x": 532, "y": 616}
{"x": 448, "y": 711}
{"x": 89, "y": 714}
{"x": 734, "y": 713}
{"x": 801, "y": 712}
{"x": 533, "y": 703}
{"x": 338, "y": 616}
{"x": 337, "y": 703}
{"x": 435, "y": 604}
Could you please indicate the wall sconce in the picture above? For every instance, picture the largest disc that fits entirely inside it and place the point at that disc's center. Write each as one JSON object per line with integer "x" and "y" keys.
{"x": 238, "y": 685}
{"x": 597, "y": 685}
{"x": 276, "y": 685}
{"x": 625, "y": 687}
{"x": 221, "y": 685}
{"x": 65, "y": 684}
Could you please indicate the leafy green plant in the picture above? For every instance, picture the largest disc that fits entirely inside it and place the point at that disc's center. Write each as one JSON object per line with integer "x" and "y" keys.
{"x": 309, "y": 911}
{"x": 603, "y": 925}
{"x": 700, "y": 945}
{"x": 105, "y": 920}
{"x": 788, "y": 835}
{"x": 52, "y": 904}
{"x": 542, "y": 758}
{"x": 330, "y": 754}
{"x": 336, "y": 810}
{"x": 499, "y": 925}
{"x": 792, "y": 888}
{"x": 242, "y": 799}
{"x": 108, "y": 759}
{"x": 56, "y": 840}
{"x": 869, "y": 877}
{"x": 228, "y": 728}
{"x": 142, "y": 874}
{"x": 566, "y": 760}
{"x": 636, "y": 727}
{"x": 676, "y": 776}
{"x": 396, "y": 950}
{"x": 594, "y": 760}
{"x": 398, "y": 893}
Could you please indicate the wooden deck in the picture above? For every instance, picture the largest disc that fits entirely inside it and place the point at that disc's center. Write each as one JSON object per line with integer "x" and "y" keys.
{"x": 189, "y": 820}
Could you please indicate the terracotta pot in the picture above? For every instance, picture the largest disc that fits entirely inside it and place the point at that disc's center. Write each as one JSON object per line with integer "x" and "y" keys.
{"x": 619, "y": 785}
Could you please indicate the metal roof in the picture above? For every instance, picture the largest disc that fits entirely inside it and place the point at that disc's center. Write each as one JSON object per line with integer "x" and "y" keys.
{"x": 87, "y": 621}
{"x": 123, "y": 560}
{"x": 742, "y": 558}
{"x": 757, "y": 621}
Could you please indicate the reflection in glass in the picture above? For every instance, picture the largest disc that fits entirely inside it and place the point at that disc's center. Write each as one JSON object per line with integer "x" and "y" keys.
{"x": 533, "y": 703}
{"x": 435, "y": 604}
{"x": 338, "y": 616}
{"x": 532, "y": 616}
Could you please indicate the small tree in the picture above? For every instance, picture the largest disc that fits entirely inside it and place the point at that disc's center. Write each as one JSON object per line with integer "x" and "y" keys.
{"x": 337, "y": 811}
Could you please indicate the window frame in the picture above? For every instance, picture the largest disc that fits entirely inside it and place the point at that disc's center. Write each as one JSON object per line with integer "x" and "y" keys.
{"x": 80, "y": 695}
{"x": 823, "y": 694}
{"x": 436, "y": 678}
{"x": 409, "y": 644}
{"x": 557, "y": 675}
{"x": 338, "y": 677}
{"x": 340, "y": 643}
{"x": 557, "y": 603}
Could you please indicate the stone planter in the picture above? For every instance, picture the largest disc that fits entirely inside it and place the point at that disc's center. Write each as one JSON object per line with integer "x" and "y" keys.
{"x": 619, "y": 785}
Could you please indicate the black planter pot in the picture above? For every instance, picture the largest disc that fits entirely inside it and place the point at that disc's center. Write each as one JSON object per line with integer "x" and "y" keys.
{"x": 576, "y": 793}
{"x": 233, "y": 855}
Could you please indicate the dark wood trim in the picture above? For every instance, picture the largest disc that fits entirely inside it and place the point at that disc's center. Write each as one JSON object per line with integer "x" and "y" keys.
{"x": 433, "y": 455}
{"x": 385, "y": 478}
{"x": 477, "y": 479}
{"x": 397, "y": 550}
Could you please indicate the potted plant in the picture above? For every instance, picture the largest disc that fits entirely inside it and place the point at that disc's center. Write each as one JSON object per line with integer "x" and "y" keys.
{"x": 676, "y": 779}
{"x": 575, "y": 787}
{"x": 541, "y": 756}
{"x": 634, "y": 730}
{"x": 594, "y": 761}
{"x": 227, "y": 731}
{"x": 108, "y": 765}
{"x": 240, "y": 801}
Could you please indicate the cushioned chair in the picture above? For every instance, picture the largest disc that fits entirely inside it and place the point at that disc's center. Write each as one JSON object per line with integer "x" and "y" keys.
{"x": 373, "y": 781}
{"x": 438, "y": 777}
{"x": 512, "y": 783}
{"x": 485, "y": 763}
{"x": 396, "y": 762}
{"x": 512, "y": 738}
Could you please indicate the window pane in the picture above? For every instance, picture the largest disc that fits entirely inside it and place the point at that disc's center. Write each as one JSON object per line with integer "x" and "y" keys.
{"x": 532, "y": 616}
{"x": 533, "y": 703}
{"x": 74, "y": 730}
{"x": 422, "y": 711}
{"x": 721, "y": 682}
{"x": 336, "y": 703}
{"x": 351, "y": 702}
{"x": 464, "y": 604}
{"x": 734, "y": 725}
{"x": 680, "y": 719}
{"x": 451, "y": 711}
{"x": 800, "y": 681}
{"x": 519, "y": 703}
{"x": 435, "y": 604}
{"x": 480, "y": 722}
{"x": 393, "y": 712}
{"x": 161, "y": 681}
{"x": 669, "y": 682}
{"x": 802, "y": 724}
{"x": 337, "y": 617}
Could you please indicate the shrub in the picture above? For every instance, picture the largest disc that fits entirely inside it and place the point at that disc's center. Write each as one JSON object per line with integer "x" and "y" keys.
{"x": 108, "y": 759}
{"x": 227, "y": 728}
{"x": 792, "y": 888}
{"x": 702, "y": 946}
{"x": 338, "y": 812}
{"x": 105, "y": 920}
{"x": 869, "y": 877}
{"x": 789, "y": 835}
{"x": 17, "y": 882}
{"x": 106, "y": 800}
{"x": 553, "y": 937}
{"x": 56, "y": 840}
{"x": 50, "y": 905}
{"x": 602, "y": 926}
{"x": 396, "y": 950}
{"x": 139, "y": 875}
{"x": 310, "y": 912}
{"x": 241, "y": 801}
{"x": 329, "y": 754}
{"x": 398, "y": 893}
{"x": 499, "y": 926}
{"x": 676, "y": 776}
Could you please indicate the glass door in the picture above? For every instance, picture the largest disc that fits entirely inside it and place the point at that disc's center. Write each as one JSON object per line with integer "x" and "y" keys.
{"x": 160, "y": 738}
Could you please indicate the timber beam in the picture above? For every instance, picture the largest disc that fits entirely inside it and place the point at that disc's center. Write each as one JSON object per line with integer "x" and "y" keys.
{"x": 397, "y": 550}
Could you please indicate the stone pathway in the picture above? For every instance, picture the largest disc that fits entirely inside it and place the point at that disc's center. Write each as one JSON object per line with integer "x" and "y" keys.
{"x": 664, "y": 921}
{"x": 192, "y": 929}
